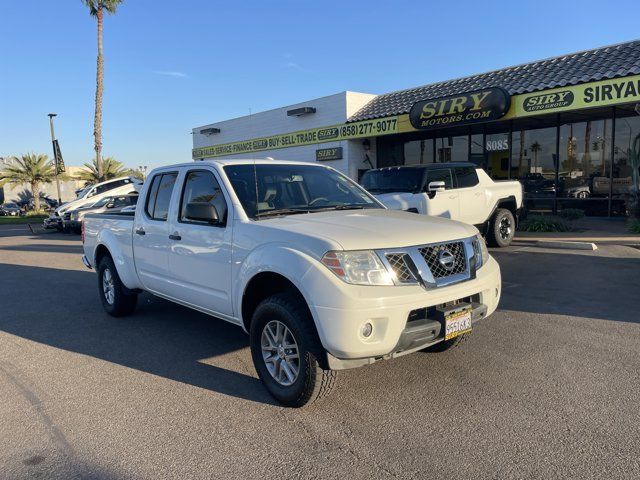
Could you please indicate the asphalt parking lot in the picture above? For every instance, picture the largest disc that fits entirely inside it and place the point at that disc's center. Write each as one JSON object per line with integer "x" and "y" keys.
{"x": 546, "y": 388}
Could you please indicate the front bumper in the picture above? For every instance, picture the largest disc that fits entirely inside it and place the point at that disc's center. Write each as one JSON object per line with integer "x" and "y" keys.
{"x": 387, "y": 309}
{"x": 52, "y": 222}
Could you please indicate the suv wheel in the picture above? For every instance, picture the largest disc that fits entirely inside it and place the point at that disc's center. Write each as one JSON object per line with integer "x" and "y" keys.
{"x": 286, "y": 352}
{"x": 502, "y": 228}
{"x": 115, "y": 298}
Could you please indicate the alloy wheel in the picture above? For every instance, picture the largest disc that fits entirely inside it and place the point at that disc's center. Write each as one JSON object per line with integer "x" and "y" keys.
{"x": 108, "y": 286}
{"x": 505, "y": 228}
{"x": 280, "y": 353}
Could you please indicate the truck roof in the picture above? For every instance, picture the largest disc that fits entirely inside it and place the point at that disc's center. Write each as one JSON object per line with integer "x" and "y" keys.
{"x": 428, "y": 166}
{"x": 241, "y": 161}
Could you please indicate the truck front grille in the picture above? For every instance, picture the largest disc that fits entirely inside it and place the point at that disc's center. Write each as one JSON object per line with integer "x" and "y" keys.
{"x": 398, "y": 263}
{"x": 445, "y": 259}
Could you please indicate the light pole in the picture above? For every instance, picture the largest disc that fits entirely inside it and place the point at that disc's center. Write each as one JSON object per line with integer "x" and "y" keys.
{"x": 55, "y": 155}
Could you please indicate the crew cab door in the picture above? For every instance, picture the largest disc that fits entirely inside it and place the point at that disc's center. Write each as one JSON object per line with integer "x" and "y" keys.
{"x": 473, "y": 203}
{"x": 151, "y": 234}
{"x": 200, "y": 251}
{"x": 442, "y": 204}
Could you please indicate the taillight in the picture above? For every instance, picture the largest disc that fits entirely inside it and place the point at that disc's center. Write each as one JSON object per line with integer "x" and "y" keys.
{"x": 82, "y": 233}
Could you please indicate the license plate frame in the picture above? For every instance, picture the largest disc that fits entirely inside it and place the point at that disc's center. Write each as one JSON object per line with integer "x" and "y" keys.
{"x": 457, "y": 323}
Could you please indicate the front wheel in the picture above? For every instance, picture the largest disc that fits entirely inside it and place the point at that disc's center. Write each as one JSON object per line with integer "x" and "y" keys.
{"x": 116, "y": 299}
{"x": 502, "y": 228}
{"x": 286, "y": 352}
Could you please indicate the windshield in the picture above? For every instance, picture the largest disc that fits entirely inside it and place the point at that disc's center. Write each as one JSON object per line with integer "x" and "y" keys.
{"x": 84, "y": 191}
{"x": 101, "y": 203}
{"x": 289, "y": 189}
{"x": 393, "y": 180}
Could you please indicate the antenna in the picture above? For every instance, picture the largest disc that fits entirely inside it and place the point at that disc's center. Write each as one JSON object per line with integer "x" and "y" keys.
{"x": 253, "y": 157}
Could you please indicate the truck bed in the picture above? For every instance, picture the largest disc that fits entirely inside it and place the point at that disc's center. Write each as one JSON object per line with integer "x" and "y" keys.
{"x": 119, "y": 226}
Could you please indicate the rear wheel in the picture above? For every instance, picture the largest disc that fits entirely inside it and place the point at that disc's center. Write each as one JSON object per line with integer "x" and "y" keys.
{"x": 286, "y": 351}
{"x": 116, "y": 299}
{"x": 502, "y": 228}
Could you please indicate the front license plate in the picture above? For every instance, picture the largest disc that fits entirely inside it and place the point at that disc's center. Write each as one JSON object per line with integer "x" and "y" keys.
{"x": 457, "y": 323}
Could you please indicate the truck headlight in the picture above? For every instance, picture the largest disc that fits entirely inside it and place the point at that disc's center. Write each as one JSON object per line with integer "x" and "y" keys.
{"x": 480, "y": 251}
{"x": 358, "y": 267}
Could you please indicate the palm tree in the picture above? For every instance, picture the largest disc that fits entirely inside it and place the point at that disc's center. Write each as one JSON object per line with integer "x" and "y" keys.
{"x": 32, "y": 169}
{"x": 535, "y": 148}
{"x": 97, "y": 9}
{"x": 111, "y": 168}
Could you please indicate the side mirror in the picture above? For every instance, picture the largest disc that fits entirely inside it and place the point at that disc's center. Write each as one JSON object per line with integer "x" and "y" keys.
{"x": 202, "y": 212}
{"x": 110, "y": 205}
{"x": 436, "y": 187}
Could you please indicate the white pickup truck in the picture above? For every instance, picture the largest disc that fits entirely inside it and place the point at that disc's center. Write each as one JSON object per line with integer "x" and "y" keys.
{"x": 319, "y": 273}
{"x": 459, "y": 191}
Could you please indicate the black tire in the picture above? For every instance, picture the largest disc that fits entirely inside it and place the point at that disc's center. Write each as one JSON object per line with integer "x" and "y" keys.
{"x": 502, "y": 228}
{"x": 312, "y": 381}
{"x": 123, "y": 302}
{"x": 446, "y": 345}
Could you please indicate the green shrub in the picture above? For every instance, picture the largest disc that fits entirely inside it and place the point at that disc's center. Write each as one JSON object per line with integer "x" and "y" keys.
{"x": 542, "y": 223}
{"x": 634, "y": 226}
{"x": 571, "y": 213}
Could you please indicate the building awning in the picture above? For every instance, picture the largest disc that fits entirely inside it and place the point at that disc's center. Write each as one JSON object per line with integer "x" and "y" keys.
{"x": 588, "y": 66}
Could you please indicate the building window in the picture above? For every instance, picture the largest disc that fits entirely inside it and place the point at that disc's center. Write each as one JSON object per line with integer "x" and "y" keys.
{"x": 418, "y": 151}
{"x": 532, "y": 162}
{"x": 497, "y": 150}
{"x": 452, "y": 149}
{"x": 626, "y": 161}
{"x": 584, "y": 167}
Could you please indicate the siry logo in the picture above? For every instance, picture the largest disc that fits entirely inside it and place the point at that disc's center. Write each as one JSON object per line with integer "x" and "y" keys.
{"x": 548, "y": 101}
{"x": 472, "y": 107}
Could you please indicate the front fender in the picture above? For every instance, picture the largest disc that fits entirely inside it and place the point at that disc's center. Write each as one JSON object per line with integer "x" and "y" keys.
{"x": 118, "y": 244}
{"x": 274, "y": 258}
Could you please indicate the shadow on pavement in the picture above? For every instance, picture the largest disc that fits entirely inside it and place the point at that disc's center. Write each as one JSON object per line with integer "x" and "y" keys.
{"x": 581, "y": 285}
{"x": 45, "y": 247}
{"x": 61, "y": 308}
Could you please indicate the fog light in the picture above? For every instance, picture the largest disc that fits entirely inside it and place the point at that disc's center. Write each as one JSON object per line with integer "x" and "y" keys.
{"x": 366, "y": 330}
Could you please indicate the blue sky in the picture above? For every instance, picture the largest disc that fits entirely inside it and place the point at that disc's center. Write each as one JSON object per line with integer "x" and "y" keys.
{"x": 172, "y": 65}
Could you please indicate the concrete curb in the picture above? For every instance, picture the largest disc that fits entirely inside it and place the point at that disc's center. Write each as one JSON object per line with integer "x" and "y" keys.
{"x": 566, "y": 245}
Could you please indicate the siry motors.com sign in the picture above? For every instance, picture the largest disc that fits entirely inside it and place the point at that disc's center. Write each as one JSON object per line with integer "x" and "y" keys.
{"x": 473, "y": 107}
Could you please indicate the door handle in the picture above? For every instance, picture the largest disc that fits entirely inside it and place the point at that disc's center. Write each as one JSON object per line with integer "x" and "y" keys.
{"x": 175, "y": 236}
{"x": 140, "y": 231}
{"x": 477, "y": 194}
{"x": 452, "y": 196}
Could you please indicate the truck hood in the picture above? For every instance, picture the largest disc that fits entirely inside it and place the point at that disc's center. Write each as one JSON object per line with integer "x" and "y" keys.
{"x": 372, "y": 229}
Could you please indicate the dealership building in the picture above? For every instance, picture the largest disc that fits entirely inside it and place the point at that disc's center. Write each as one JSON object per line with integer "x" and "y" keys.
{"x": 567, "y": 127}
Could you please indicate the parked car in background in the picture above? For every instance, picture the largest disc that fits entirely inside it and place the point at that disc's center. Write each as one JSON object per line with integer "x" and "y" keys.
{"x": 320, "y": 274}
{"x": 111, "y": 204}
{"x": 10, "y": 209}
{"x": 459, "y": 191}
{"x": 61, "y": 216}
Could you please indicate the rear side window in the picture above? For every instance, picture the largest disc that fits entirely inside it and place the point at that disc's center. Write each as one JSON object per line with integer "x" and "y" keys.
{"x": 201, "y": 186}
{"x": 466, "y": 177}
{"x": 440, "y": 175}
{"x": 157, "y": 206}
{"x": 111, "y": 185}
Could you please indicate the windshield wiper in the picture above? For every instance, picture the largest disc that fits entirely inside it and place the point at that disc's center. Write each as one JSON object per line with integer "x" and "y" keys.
{"x": 345, "y": 206}
{"x": 281, "y": 211}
